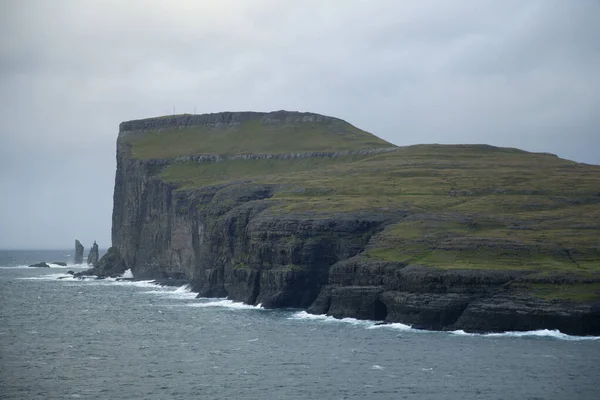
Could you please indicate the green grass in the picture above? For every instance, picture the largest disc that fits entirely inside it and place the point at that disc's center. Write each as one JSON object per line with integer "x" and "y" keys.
{"x": 191, "y": 174}
{"x": 251, "y": 138}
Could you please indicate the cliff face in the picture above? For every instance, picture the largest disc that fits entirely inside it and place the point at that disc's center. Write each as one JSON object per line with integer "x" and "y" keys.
{"x": 283, "y": 229}
{"x": 226, "y": 242}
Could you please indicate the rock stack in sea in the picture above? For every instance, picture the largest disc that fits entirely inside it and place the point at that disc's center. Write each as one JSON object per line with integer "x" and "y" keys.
{"x": 93, "y": 255}
{"x": 78, "y": 252}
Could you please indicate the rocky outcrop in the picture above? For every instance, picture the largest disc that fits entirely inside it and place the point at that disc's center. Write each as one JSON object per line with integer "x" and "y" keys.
{"x": 92, "y": 258}
{"x": 40, "y": 265}
{"x": 428, "y": 298}
{"x": 44, "y": 264}
{"x": 111, "y": 265}
{"x": 78, "y": 252}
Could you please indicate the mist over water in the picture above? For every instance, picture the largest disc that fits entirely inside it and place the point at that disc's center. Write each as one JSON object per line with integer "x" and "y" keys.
{"x": 103, "y": 339}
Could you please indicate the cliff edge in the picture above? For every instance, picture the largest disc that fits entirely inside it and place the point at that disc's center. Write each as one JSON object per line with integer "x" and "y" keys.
{"x": 292, "y": 209}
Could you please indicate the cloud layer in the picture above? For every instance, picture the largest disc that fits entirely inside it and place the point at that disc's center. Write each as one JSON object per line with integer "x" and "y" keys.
{"x": 511, "y": 73}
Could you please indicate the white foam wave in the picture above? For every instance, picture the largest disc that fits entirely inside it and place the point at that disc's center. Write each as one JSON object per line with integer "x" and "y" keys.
{"x": 127, "y": 274}
{"x": 141, "y": 284}
{"x": 93, "y": 281}
{"x": 234, "y": 305}
{"x": 49, "y": 277}
{"x": 52, "y": 266}
{"x": 545, "y": 333}
{"x": 395, "y": 325}
{"x": 184, "y": 289}
{"x": 184, "y": 292}
{"x": 460, "y": 332}
{"x": 303, "y": 315}
{"x": 63, "y": 266}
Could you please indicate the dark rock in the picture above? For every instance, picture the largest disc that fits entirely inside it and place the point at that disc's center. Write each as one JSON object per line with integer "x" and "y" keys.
{"x": 425, "y": 310}
{"x": 84, "y": 274}
{"x": 92, "y": 258}
{"x": 359, "y": 302}
{"x": 78, "y": 252}
{"x": 71, "y": 272}
{"x": 426, "y": 298}
{"x": 522, "y": 312}
{"x": 39, "y": 265}
{"x": 110, "y": 265}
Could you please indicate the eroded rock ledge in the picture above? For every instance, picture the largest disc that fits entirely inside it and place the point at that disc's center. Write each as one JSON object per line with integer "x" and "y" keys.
{"x": 214, "y": 158}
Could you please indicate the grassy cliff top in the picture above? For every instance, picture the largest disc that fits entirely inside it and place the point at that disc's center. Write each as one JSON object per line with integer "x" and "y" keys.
{"x": 243, "y": 133}
{"x": 468, "y": 206}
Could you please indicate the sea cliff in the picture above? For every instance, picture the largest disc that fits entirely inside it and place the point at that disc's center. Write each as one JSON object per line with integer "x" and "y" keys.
{"x": 292, "y": 209}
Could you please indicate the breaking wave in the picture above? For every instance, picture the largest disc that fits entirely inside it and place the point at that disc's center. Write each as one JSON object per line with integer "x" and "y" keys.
{"x": 93, "y": 281}
{"x": 225, "y": 303}
{"x": 546, "y": 333}
{"x": 127, "y": 274}
{"x": 49, "y": 277}
{"x": 303, "y": 315}
{"x": 183, "y": 292}
{"x": 368, "y": 324}
{"x": 52, "y": 266}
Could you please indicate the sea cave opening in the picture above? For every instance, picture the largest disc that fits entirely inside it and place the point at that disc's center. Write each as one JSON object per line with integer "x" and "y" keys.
{"x": 380, "y": 310}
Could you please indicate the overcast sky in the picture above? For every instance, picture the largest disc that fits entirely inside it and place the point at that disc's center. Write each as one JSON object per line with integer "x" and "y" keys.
{"x": 508, "y": 73}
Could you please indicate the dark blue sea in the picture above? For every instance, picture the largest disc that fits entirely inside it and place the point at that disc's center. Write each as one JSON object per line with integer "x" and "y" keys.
{"x": 103, "y": 339}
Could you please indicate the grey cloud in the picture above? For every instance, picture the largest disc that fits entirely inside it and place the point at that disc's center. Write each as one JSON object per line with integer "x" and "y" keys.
{"x": 510, "y": 73}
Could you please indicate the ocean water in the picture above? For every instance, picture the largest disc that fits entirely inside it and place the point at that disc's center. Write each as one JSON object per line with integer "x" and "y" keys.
{"x": 92, "y": 339}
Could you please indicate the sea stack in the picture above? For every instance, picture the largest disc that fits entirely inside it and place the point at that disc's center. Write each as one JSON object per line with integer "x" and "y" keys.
{"x": 78, "y": 252}
{"x": 93, "y": 255}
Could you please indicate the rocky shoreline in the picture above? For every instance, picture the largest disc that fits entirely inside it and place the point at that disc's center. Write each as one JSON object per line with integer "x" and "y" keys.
{"x": 422, "y": 297}
{"x": 236, "y": 239}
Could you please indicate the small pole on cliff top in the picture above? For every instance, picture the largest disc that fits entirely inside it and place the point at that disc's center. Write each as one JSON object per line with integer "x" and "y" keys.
{"x": 173, "y": 110}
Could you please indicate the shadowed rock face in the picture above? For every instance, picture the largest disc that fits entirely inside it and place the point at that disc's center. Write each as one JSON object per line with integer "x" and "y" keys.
{"x": 78, "y": 252}
{"x": 235, "y": 238}
{"x": 92, "y": 258}
{"x": 110, "y": 265}
{"x": 426, "y": 298}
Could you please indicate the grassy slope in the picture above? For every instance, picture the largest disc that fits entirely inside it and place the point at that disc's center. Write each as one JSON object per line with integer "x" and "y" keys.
{"x": 473, "y": 206}
{"x": 252, "y": 138}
